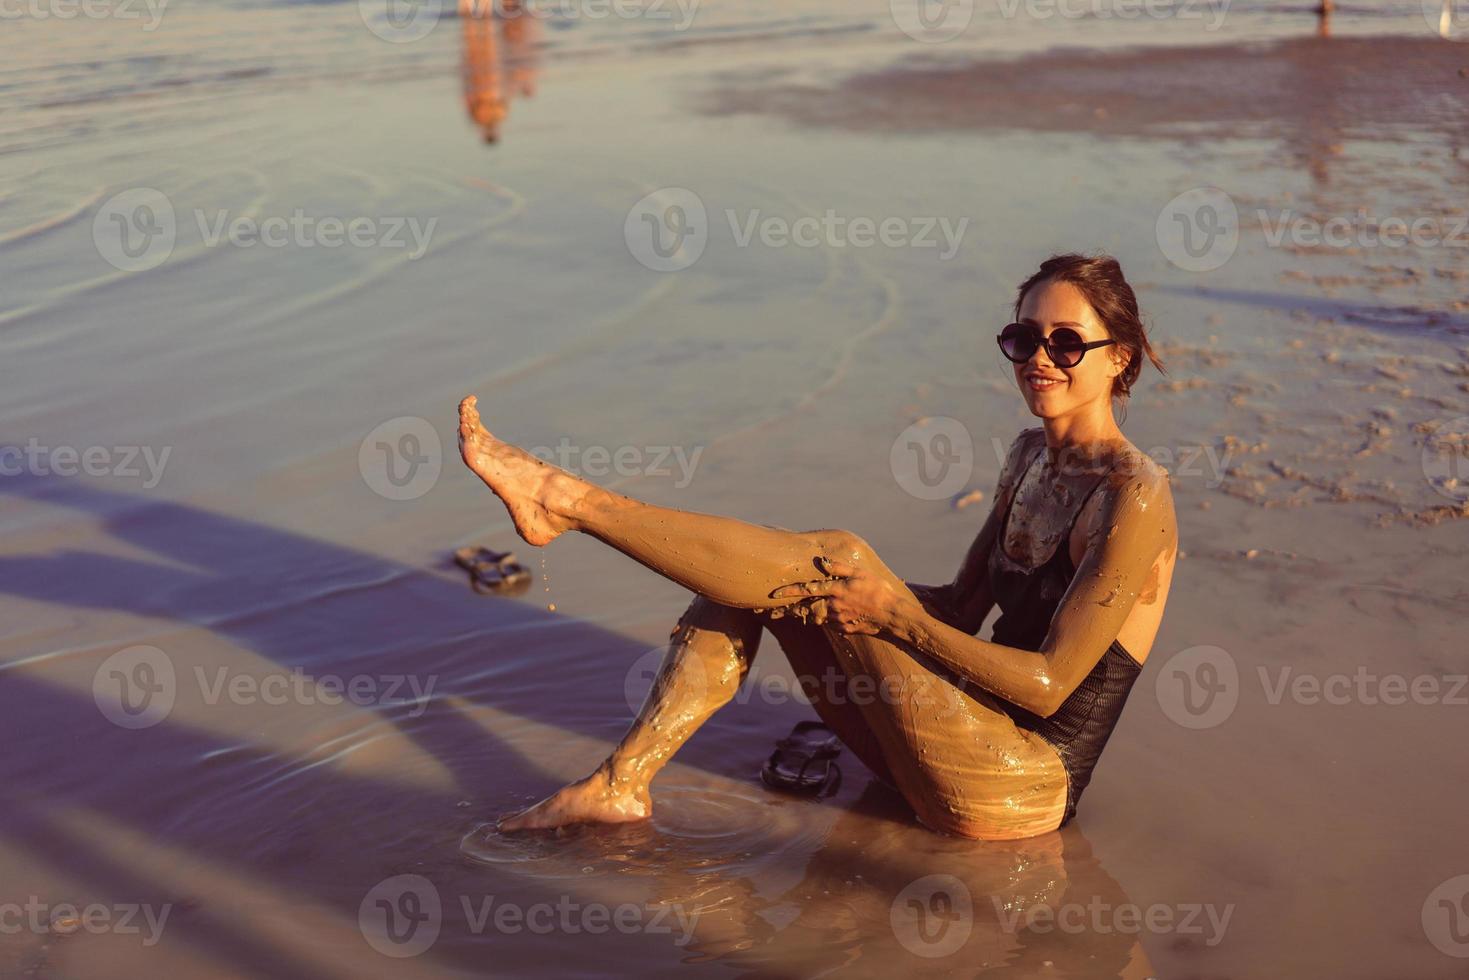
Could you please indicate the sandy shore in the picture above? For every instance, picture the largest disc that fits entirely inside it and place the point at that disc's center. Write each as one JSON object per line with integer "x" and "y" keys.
{"x": 1293, "y": 834}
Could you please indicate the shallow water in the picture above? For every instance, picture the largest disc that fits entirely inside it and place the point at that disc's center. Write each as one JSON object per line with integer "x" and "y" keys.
{"x": 284, "y": 824}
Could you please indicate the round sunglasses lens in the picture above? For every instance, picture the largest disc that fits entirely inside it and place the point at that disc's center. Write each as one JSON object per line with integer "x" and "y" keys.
{"x": 1066, "y": 347}
{"x": 1017, "y": 343}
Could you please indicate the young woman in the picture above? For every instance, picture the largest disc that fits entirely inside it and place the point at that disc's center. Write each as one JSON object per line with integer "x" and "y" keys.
{"x": 992, "y": 739}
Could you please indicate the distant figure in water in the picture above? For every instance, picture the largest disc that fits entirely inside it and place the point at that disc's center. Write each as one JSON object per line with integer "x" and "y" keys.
{"x": 991, "y": 739}
{"x": 489, "y": 83}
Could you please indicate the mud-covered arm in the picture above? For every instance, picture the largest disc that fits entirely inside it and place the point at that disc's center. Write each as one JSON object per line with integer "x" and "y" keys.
{"x": 1135, "y": 528}
{"x": 965, "y": 602}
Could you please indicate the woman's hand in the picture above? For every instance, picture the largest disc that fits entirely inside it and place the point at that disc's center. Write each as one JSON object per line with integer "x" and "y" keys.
{"x": 853, "y": 600}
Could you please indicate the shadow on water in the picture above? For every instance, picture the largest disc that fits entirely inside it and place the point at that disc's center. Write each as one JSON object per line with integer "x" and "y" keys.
{"x": 236, "y": 831}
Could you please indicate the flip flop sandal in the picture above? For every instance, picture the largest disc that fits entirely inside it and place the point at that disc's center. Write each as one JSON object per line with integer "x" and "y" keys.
{"x": 804, "y": 762}
{"x": 493, "y": 572}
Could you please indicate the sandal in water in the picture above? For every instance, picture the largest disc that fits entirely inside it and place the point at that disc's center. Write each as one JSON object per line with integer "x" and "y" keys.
{"x": 493, "y": 572}
{"x": 804, "y": 762}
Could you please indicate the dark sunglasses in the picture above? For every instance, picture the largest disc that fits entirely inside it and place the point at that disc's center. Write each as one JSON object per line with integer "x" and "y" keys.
{"x": 1065, "y": 348}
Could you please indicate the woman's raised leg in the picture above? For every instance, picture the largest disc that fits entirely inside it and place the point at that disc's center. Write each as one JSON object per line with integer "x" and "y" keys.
{"x": 955, "y": 755}
{"x": 729, "y": 561}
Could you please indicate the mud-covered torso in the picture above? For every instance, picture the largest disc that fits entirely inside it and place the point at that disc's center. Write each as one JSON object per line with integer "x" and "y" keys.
{"x": 1028, "y": 594}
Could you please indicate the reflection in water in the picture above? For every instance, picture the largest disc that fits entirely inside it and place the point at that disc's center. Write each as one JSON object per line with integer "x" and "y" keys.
{"x": 801, "y": 889}
{"x": 497, "y": 66}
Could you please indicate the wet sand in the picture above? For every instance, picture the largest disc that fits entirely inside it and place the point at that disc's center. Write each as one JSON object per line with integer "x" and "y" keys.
{"x": 1304, "y": 384}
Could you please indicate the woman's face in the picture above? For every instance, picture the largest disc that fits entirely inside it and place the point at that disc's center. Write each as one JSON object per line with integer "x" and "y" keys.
{"x": 1052, "y": 391}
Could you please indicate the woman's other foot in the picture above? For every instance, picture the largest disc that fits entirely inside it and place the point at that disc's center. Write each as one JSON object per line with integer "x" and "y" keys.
{"x": 591, "y": 800}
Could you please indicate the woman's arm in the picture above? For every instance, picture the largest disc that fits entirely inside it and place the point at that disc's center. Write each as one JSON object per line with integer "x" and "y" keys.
{"x": 1135, "y": 527}
{"x": 966, "y": 602}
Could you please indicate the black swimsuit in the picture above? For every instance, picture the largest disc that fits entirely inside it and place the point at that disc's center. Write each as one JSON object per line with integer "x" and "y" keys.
{"x": 1028, "y": 598}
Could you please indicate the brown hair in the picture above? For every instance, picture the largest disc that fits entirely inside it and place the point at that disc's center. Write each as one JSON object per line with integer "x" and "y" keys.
{"x": 1100, "y": 279}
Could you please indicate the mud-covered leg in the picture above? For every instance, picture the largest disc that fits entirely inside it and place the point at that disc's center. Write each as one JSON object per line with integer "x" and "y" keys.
{"x": 709, "y": 653}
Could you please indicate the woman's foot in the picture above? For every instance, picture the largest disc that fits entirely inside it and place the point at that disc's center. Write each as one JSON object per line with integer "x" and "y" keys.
{"x": 589, "y": 800}
{"x": 537, "y": 494}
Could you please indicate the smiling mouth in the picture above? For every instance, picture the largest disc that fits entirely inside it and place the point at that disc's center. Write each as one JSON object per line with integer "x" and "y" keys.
{"x": 1038, "y": 383}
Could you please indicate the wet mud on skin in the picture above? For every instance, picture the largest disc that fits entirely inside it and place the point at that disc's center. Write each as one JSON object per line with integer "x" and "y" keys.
{"x": 1305, "y": 385}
